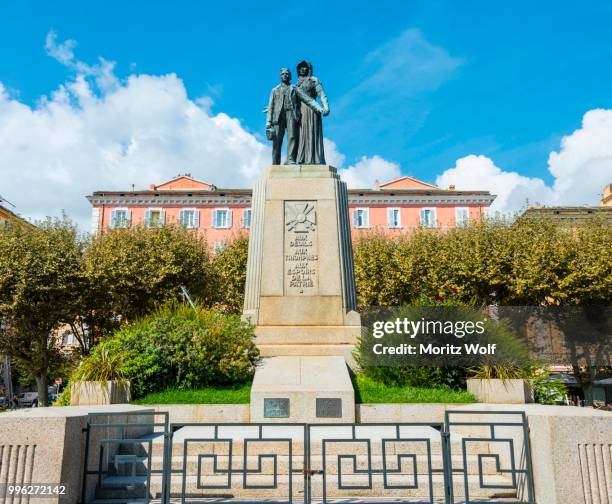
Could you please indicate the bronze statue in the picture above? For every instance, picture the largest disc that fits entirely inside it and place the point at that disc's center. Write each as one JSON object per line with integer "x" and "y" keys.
{"x": 310, "y": 144}
{"x": 283, "y": 113}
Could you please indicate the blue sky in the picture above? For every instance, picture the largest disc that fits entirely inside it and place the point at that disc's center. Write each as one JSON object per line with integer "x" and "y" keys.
{"x": 420, "y": 84}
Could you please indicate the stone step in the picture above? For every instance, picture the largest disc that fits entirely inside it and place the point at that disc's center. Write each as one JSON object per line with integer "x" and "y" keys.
{"x": 306, "y": 335}
{"x": 272, "y": 350}
{"x": 122, "y": 487}
{"x": 282, "y": 449}
{"x": 331, "y": 466}
{"x": 378, "y": 491}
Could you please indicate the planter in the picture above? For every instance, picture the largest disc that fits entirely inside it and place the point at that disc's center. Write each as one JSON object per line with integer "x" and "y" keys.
{"x": 84, "y": 393}
{"x": 501, "y": 391}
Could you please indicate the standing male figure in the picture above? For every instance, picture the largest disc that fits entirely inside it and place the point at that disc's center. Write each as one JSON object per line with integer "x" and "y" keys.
{"x": 283, "y": 113}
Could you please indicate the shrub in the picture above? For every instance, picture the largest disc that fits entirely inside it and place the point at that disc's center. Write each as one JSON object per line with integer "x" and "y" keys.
{"x": 547, "y": 390}
{"x": 442, "y": 370}
{"x": 104, "y": 363}
{"x": 417, "y": 376}
{"x": 63, "y": 399}
{"x": 498, "y": 372}
{"x": 183, "y": 347}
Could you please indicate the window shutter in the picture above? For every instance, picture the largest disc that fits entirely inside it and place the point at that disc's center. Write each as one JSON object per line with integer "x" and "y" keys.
{"x": 147, "y": 218}
{"x": 229, "y": 219}
{"x": 162, "y": 217}
{"x": 366, "y": 217}
{"x": 129, "y": 218}
{"x": 355, "y": 221}
{"x": 213, "y": 221}
{"x": 390, "y": 222}
{"x": 197, "y": 218}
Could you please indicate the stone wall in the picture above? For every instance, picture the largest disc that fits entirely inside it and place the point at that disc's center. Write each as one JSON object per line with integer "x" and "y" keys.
{"x": 46, "y": 446}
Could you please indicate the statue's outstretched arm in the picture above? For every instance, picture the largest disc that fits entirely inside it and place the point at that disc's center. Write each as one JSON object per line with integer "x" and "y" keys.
{"x": 322, "y": 97}
{"x": 311, "y": 102}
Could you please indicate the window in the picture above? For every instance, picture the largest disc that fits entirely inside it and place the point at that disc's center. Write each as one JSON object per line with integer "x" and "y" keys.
{"x": 361, "y": 217}
{"x": 120, "y": 218}
{"x": 189, "y": 218}
{"x": 154, "y": 217}
{"x": 95, "y": 218}
{"x": 462, "y": 216}
{"x": 428, "y": 217}
{"x": 68, "y": 338}
{"x": 246, "y": 218}
{"x": 393, "y": 218}
{"x": 222, "y": 218}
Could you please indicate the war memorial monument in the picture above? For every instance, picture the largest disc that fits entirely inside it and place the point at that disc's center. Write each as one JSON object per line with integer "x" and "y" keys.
{"x": 300, "y": 288}
{"x": 302, "y": 438}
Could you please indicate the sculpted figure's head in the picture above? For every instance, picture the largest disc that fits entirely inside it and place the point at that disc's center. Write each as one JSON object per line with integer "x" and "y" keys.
{"x": 285, "y": 75}
{"x": 304, "y": 68}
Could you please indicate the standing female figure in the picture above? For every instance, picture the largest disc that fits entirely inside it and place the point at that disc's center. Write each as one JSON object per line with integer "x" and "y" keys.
{"x": 310, "y": 143}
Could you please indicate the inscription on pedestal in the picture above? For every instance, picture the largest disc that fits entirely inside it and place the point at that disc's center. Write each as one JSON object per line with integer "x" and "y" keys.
{"x": 301, "y": 249}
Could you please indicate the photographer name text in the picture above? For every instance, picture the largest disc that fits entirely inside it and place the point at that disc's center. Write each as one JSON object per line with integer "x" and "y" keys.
{"x": 431, "y": 349}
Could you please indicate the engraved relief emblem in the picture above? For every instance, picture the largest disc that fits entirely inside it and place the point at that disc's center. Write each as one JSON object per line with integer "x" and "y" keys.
{"x": 300, "y": 217}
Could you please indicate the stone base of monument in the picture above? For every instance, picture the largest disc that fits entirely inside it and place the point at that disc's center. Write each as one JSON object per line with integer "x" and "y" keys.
{"x": 308, "y": 341}
{"x": 303, "y": 389}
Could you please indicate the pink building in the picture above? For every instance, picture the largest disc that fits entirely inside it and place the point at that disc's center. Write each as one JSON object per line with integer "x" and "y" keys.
{"x": 395, "y": 207}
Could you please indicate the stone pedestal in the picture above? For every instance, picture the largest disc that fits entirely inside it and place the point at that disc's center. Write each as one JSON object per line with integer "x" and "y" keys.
{"x": 300, "y": 289}
{"x": 300, "y": 294}
{"x": 303, "y": 390}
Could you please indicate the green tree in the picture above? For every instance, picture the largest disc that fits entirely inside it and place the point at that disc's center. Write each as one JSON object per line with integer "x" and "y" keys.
{"x": 130, "y": 271}
{"x": 229, "y": 266}
{"x": 528, "y": 262}
{"x": 588, "y": 278}
{"x": 40, "y": 279}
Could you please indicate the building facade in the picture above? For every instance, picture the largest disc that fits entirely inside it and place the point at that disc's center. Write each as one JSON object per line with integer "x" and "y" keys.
{"x": 395, "y": 207}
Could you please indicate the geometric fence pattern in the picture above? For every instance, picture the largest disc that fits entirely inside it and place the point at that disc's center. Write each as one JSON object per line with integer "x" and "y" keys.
{"x": 472, "y": 457}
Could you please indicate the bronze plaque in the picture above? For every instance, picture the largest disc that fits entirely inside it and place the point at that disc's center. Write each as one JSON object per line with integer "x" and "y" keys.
{"x": 329, "y": 407}
{"x": 276, "y": 408}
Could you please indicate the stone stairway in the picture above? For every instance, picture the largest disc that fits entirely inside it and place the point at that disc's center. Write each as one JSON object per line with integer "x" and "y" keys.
{"x": 129, "y": 480}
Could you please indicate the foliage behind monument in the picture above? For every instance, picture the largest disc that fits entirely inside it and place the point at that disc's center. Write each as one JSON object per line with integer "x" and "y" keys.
{"x": 133, "y": 270}
{"x": 523, "y": 263}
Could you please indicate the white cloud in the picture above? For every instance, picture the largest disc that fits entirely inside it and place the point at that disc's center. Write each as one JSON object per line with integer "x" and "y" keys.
{"x": 97, "y": 133}
{"x": 62, "y": 52}
{"x": 583, "y": 165}
{"x": 407, "y": 65}
{"x": 403, "y": 68}
{"x": 367, "y": 170}
{"x": 480, "y": 173}
{"x": 581, "y": 168}
{"x": 332, "y": 155}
